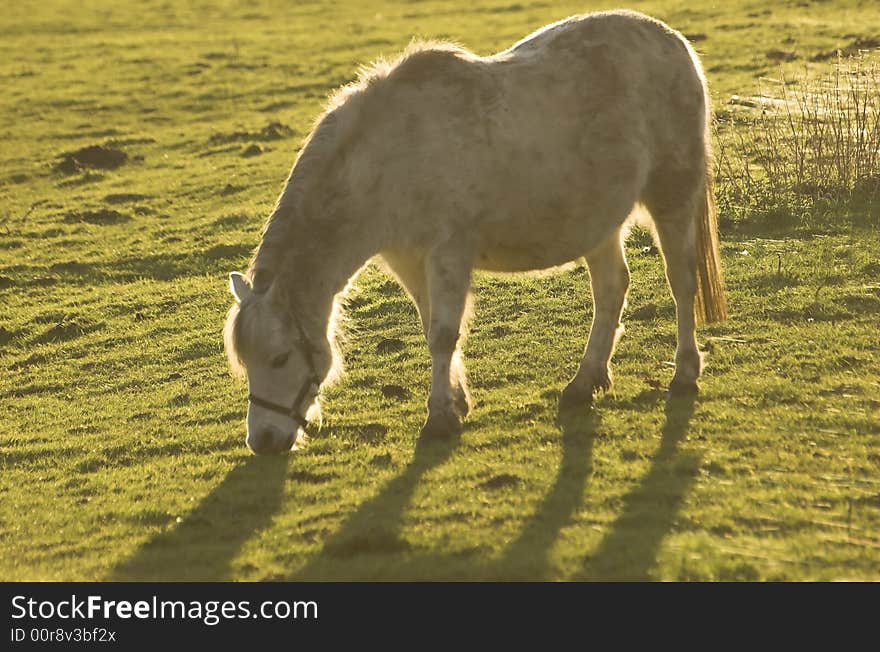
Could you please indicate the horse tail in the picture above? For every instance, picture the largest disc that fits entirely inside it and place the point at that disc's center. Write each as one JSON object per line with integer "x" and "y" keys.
{"x": 710, "y": 305}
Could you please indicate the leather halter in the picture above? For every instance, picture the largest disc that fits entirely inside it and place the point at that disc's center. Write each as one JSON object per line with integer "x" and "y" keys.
{"x": 311, "y": 380}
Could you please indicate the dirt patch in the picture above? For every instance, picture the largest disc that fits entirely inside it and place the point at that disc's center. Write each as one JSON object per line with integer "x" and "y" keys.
{"x": 272, "y": 131}
{"x": 871, "y": 269}
{"x": 150, "y": 517}
{"x": 42, "y": 281}
{"x": 6, "y": 335}
{"x": 781, "y": 55}
{"x": 252, "y": 150}
{"x": 92, "y": 157}
{"x": 68, "y": 330}
{"x": 29, "y": 390}
{"x": 501, "y": 481}
{"x": 653, "y": 383}
{"x": 309, "y": 477}
{"x": 862, "y": 305}
{"x": 235, "y": 415}
{"x": 645, "y": 312}
{"x": 395, "y": 392}
{"x": 71, "y": 267}
{"x": 179, "y": 400}
{"x": 377, "y": 542}
{"x": 227, "y": 251}
{"x": 125, "y": 198}
{"x": 30, "y": 361}
{"x": 390, "y": 345}
{"x": 102, "y": 216}
{"x": 382, "y": 460}
{"x": 855, "y": 46}
{"x": 229, "y": 189}
{"x": 91, "y": 465}
{"x": 818, "y": 311}
{"x": 736, "y": 100}
{"x": 696, "y": 38}
{"x": 503, "y": 10}
{"x": 371, "y": 432}
{"x": 236, "y": 219}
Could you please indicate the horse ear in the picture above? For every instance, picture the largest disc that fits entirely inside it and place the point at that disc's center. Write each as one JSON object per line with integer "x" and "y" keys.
{"x": 239, "y": 286}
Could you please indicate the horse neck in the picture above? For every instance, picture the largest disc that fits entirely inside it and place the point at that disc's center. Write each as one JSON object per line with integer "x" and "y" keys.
{"x": 314, "y": 263}
{"x": 315, "y": 276}
{"x": 316, "y": 239}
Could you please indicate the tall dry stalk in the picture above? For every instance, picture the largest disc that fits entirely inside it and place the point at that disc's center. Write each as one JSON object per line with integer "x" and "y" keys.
{"x": 817, "y": 140}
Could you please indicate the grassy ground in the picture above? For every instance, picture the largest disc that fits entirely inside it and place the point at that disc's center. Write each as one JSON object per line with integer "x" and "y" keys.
{"x": 121, "y": 433}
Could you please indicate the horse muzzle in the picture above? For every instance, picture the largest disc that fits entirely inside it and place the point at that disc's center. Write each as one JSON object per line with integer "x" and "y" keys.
{"x": 270, "y": 441}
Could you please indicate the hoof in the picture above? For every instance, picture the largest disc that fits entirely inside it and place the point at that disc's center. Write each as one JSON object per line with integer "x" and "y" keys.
{"x": 580, "y": 393}
{"x": 682, "y": 389}
{"x": 440, "y": 427}
{"x": 575, "y": 396}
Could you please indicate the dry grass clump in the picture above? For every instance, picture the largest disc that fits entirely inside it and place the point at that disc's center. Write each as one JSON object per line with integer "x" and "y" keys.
{"x": 804, "y": 146}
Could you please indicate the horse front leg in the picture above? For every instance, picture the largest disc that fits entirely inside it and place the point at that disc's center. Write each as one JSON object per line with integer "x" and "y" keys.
{"x": 411, "y": 272}
{"x": 448, "y": 276}
{"x": 609, "y": 279}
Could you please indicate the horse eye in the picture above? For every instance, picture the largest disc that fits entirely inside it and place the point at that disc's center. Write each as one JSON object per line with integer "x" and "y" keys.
{"x": 280, "y": 360}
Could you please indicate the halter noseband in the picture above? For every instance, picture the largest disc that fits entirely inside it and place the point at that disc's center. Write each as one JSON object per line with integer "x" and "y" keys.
{"x": 311, "y": 381}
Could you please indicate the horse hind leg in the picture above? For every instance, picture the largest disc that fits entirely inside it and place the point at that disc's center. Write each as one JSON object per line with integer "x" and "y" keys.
{"x": 458, "y": 373}
{"x": 676, "y": 226}
{"x": 609, "y": 279}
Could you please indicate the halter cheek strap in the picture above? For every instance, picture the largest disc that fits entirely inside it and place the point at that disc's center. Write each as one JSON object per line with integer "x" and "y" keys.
{"x": 292, "y": 412}
{"x": 311, "y": 381}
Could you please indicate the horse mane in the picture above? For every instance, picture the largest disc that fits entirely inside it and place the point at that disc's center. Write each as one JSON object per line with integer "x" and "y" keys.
{"x": 331, "y": 134}
{"x": 280, "y": 227}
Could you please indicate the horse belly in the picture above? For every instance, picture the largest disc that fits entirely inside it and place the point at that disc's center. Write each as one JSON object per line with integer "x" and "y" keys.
{"x": 553, "y": 194}
{"x": 509, "y": 259}
{"x": 522, "y": 246}
{"x": 545, "y": 216}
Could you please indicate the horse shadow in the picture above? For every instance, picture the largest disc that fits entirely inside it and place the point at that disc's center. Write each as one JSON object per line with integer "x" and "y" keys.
{"x": 528, "y": 556}
{"x": 203, "y": 546}
{"x": 375, "y": 528}
{"x": 629, "y": 550}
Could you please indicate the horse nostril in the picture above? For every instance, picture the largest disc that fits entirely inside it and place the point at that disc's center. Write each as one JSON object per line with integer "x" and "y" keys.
{"x": 262, "y": 441}
{"x": 270, "y": 440}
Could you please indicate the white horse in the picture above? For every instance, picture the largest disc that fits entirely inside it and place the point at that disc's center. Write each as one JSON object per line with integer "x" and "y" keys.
{"x": 443, "y": 162}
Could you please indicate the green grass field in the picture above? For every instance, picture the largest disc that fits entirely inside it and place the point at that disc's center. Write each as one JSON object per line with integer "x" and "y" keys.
{"x": 122, "y": 449}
